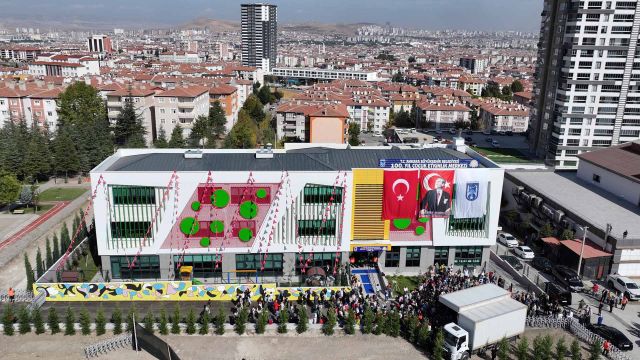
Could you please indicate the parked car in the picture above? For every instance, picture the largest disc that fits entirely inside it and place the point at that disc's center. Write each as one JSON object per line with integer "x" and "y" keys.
{"x": 568, "y": 277}
{"x": 615, "y": 336}
{"x": 501, "y": 133}
{"x": 542, "y": 264}
{"x": 438, "y": 137}
{"x": 468, "y": 139}
{"x": 438, "y": 131}
{"x": 508, "y": 240}
{"x": 513, "y": 261}
{"x": 625, "y": 285}
{"x": 489, "y": 140}
{"x": 524, "y": 252}
{"x": 452, "y": 131}
{"x": 495, "y": 144}
{"x": 469, "y": 132}
{"x": 509, "y": 133}
{"x": 487, "y": 132}
{"x": 558, "y": 293}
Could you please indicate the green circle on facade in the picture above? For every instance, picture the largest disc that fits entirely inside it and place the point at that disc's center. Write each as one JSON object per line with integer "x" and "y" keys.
{"x": 205, "y": 242}
{"x": 189, "y": 226}
{"x": 248, "y": 210}
{"x": 220, "y": 198}
{"x": 261, "y": 193}
{"x": 217, "y": 226}
{"x": 245, "y": 234}
{"x": 419, "y": 230}
{"x": 423, "y": 219}
{"x": 195, "y": 206}
{"x": 401, "y": 223}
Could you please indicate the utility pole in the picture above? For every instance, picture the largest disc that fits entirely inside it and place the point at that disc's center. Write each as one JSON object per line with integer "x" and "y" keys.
{"x": 584, "y": 239}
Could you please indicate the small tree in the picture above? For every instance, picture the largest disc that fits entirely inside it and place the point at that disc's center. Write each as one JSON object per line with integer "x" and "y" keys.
{"x": 503, "y": 349}
{"x": 162, "y": 325}
{"x": 261, "y": 322}
{"x": 175, "y": 320}
{"x": 379, "y": 324}
{"x": 438, "y": 346}
{"x": 410, "y": 326}
{"x": 56, "y": 248}
{"x": 330, "y": 324}
{"x": 240, "y": 326}
{"x": 85, "y": 322}
{"x": 349, "y": 323}
{"x": 149, "y": 321}
{"x": 561, "y": 349}
{"x": 132, "y": 317}
{"x": 24, "y": 320}
{"x": 29, "y": 272}
{"x": 394, "y": 324}
{"x": 7, "y": 319}
{"x": 522, "y": 349}
{"x": 48, "y": 254}
{"x": 204, "y": 327}
{"x": 38, "y": 323}
{"x": 567, "y": 234}
{"x": 53, "y": 321}
{"x": 423, "y": 336}
{"x": 101, "y": 322}
{"x": 547, "y": 347}
{"x": 191, "y": 322}
{"x": 219, "y": 322}
{"x": 116, "y": 319}
{"x": 283, "y": 319}
{"x": 576, "y": 351}
{"x": 303, "y": 320}
{"x": 546, "y": 230}
{"x": 39, "y": 265}
{"x": 595, "y": 350}
{"x": 70, "y": 322}
{"x": 367, "y": 321}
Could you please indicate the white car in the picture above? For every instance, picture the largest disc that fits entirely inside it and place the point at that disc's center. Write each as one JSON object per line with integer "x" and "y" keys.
{"x": 524, "y": 252}
{"x": 625, "y": 285}
{"x": 507, "y": 240}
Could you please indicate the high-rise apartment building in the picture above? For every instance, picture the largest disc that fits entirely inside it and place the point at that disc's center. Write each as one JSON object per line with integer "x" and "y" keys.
{"x": 587, "y": 92}
{"x": 99, "y": 44}
{"x": 259, "y": 35}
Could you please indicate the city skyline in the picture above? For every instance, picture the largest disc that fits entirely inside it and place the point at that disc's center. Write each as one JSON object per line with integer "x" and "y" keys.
{"x": 426, "y": 14}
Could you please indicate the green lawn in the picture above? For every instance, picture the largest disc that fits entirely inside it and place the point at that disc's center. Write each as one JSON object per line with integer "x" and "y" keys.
{"x": 503, "y": 155}
{"x": 86, "y": 265}
{"x": 44, "y": 208}
{"x": 61, "y": 194}
{"x": 400, "y": 282}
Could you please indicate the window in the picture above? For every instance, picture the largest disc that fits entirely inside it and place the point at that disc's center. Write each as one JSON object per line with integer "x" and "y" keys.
{"x": 468, "y": 256}
{"x": 272, "y": 265}
{"x": 128, "y": 195}
{"x": 392, "y": 257}
{"x": 145, "y": 267}
{"x": 441, "y": 256}
{"x": 596, "y": 178}
{"x": 317, "y": 260}
{"x": 204, "y": 266}
{"x": 316, "y": 227}
{"x": 319, "y": 194}
{"x": 413, "y": 256}
{"x": 129, "y": 229}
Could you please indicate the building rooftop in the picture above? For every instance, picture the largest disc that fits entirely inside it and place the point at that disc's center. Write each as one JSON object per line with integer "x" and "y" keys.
{"x": 585, "y": 201}
{"x": 623, "y": 160}
{"x": 303, "y": 159}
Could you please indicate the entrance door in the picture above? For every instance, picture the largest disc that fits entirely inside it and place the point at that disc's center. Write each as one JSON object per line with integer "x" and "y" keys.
{"x": 368, "y": 258}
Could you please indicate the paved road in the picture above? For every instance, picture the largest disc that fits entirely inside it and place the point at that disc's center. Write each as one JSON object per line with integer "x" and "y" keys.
{"x": 33, "y": 225}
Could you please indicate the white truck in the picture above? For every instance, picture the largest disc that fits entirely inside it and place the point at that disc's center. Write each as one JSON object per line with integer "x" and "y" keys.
{"x": 483, "y": 315}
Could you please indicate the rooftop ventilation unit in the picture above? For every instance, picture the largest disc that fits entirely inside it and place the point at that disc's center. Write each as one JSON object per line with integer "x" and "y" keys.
{"x": 193, "y": 154}
{"x": 265, "y": 153}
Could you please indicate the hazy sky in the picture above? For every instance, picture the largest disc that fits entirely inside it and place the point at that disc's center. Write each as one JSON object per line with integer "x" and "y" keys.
{"x": 428, "y": 14}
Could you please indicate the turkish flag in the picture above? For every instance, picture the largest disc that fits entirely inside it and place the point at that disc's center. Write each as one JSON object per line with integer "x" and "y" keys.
{"x": 436, "y": 192}
{"x": 400, "y": 191}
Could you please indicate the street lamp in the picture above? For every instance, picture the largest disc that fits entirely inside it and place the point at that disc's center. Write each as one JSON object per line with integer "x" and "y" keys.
{"x": 584, "y": 239}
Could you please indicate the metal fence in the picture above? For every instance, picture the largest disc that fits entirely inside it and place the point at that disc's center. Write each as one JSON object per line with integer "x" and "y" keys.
{"x": 573, "y": 326}
{"x": 21, "y": 296}
{"x": 122, "y": 341}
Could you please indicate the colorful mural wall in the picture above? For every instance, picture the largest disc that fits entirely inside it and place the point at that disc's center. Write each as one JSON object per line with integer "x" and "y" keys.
{"x": 166, "y": 291}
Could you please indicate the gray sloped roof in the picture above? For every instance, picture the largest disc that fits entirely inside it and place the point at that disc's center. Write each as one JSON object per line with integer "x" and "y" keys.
{"x": 308, "y": 159}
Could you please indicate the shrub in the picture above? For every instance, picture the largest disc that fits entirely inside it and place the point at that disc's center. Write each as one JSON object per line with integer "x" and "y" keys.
{"x": 394, "y": 324}
{"x": 149, "y": 321}
{"x": 70, "y": 322}
{"x": 219, "y": 322}
{"x": 423, "y": 336}
{"x": 24, "y": 320}
{"x": 191, "y": 322}
{"x": 576, "y": 352}
{"x": 522, "y": 349}
{"x": 595, "y": 350}
{"x": 561, "y": 349}
{"x": 85, "y": 322}
{"x": 162, "y": 325}
{"x": 410, "y": 327}
{"x": 438, "y": 343}
{"x": 53, "y": 321}
{"x": 131, "y": 317}
{"x": 204, "y": 327}
{"x": 367, "y": 321}
{"x": 7, "y": 319}
{"x": 503, "y": 349}
{"x": 261, "y": 322}
{"x": 38, "y": 323}
{"x": 330, "y": 324}
{"x": 241, "y": 321}
{"x": 175, "y": 320}
{"x": 349, "y": 323}
{"x": 283, "y": 319}
{"x": 116, "y": 319}
{"x": 379, "y": 324}
{"x": 101, "y": 322}
{"x": 303, "y": 320}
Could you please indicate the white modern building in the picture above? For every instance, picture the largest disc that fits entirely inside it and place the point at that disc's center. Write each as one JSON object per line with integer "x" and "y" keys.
{"x": 273, "y": 213}
{"x": 323, "y": 74}
{"x": 259, "y": 28}
{"x": 475, "y": 65}
{"x": 587, "y": 93}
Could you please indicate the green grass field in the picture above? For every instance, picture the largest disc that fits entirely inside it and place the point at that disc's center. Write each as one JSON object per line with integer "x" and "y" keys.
{"x": 400, "y": 282}
{"x": 503, "y": 155}
{"x": 86, "y": 265}
{"x": 61, "y": 194}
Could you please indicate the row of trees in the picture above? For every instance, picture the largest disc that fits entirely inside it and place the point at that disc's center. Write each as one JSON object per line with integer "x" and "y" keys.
{"x": 506, "y": 93}
{"x": 254, "y": 126}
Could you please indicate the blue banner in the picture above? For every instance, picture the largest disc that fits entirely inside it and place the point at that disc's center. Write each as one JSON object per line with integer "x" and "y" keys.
{"x": 428, "y": 163}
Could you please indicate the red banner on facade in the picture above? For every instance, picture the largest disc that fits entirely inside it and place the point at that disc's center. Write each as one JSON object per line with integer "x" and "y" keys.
{"x": 400, "y": 192}
{"x": 436, "y": 192}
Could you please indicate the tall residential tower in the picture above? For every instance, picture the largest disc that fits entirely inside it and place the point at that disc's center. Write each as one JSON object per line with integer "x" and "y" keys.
{"x": 259, "y": 35}
{"x": 587, "y": 92}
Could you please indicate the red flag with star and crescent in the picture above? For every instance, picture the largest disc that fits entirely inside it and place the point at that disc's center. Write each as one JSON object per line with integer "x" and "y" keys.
{"x": 400, "y": 191}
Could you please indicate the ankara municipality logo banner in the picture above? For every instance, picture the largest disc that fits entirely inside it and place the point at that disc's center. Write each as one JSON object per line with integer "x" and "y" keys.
{"x": 470, "y": 200}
